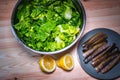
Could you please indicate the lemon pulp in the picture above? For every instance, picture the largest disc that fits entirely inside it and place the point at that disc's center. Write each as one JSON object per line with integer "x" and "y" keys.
{"x": 66, "y": 62}
{"x": 47, "y": 64}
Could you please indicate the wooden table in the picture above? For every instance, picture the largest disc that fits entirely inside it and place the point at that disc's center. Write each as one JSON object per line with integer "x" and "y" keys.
{"x": 18, "y": 64}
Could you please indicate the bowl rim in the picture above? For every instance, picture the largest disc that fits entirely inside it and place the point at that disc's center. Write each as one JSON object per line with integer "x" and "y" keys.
{"x": 58, "y": 51}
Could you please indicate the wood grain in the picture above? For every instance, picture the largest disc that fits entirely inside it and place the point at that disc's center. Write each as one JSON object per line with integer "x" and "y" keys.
{"x": 16, "y": 63}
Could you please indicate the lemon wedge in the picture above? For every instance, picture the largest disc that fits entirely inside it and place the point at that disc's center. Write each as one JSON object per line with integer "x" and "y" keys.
{"x": 47, "y": 64}
{"x": 66, "y": 62}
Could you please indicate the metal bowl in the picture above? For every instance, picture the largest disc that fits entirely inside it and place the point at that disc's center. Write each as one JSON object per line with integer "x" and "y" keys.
{"x": 78, "y": 6}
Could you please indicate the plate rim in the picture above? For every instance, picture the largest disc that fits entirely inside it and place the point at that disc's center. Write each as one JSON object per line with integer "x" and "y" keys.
{"x": 78, "y": 51}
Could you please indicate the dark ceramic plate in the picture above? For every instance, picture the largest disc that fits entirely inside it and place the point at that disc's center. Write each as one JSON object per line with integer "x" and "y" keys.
{"x": 113, "y": 37}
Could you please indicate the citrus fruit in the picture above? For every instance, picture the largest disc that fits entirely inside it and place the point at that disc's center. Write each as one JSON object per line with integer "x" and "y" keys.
{"x": 66, "y": 62}
{"x": 47, "y": 64}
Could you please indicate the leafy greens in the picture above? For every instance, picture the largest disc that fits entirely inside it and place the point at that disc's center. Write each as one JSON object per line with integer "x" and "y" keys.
{"x": 47, "y": 25}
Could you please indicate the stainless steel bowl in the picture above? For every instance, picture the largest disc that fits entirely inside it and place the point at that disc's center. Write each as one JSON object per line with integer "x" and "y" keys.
{"x": 78, "y": 6}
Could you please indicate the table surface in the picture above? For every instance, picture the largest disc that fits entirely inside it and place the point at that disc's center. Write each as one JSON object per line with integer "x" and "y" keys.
{"x": 18, "y": 64}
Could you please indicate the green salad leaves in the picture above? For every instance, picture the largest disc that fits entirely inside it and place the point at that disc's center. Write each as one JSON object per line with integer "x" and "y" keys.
{"x": 47, "y": 25}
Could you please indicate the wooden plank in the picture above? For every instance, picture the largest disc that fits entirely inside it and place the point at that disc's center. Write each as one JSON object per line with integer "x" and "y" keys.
{"x": 16, "y": 63}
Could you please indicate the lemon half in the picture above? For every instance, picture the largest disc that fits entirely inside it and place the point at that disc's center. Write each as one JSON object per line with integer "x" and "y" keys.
{"x": 66, "y": 62}
{"x": 47, "y": 64}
